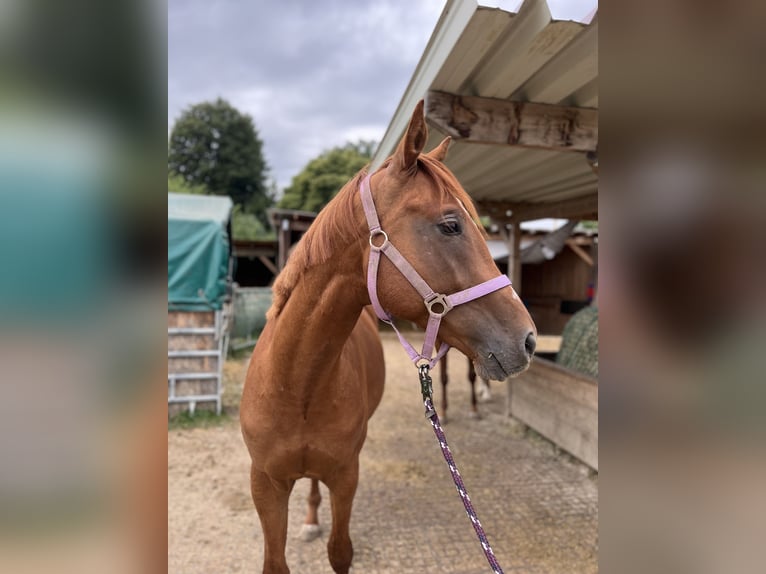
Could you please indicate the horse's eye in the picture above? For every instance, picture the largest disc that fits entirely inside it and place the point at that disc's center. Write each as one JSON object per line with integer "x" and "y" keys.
{"x": 450, "y": 227}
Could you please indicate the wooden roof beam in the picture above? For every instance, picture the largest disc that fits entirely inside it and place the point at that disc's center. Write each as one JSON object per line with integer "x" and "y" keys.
{"x": 576, "y": 208}
{"x": 525, "y": 124}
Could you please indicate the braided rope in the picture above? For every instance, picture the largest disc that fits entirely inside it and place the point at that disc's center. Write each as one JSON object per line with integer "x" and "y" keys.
{"x": 425, "y": 382}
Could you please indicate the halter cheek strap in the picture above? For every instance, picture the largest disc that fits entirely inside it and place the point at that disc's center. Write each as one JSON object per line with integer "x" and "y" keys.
{"x": 437, "y": 304}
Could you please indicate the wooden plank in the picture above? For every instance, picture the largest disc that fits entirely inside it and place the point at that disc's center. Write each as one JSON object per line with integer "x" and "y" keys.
{"x": 576, "y": 208}
{"x": 526, "y": 124}
{"x": 268, "y": 264}
{"x": 192, "y": 342}
{"x": 514, "y": 259}
{"x": 561, "y": 405}
{"x": 548, "y": 344}
{"x": 182, "y": 319}
{"x": 300, "y": 225}
{"x": 284, "y": 243}
{"x": 581, "y": 253}
{"x": 247, "y": 248}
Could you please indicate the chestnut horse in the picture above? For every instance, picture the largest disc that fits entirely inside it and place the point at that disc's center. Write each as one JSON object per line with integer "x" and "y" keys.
{"x": 316, "y": 374}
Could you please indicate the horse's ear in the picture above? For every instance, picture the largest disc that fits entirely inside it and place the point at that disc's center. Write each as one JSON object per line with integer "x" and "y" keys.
{"x": 440, "y": 151}
{"x": 407, "y": 152}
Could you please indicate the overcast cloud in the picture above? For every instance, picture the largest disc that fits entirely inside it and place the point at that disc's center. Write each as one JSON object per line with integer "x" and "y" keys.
{"x": 312, "y": 74}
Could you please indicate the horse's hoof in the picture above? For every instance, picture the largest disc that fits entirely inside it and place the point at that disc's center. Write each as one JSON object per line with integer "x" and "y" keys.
{"x": 309, "y": 532}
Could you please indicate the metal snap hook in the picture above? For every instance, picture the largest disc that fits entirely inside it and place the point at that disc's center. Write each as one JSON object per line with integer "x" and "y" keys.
{"x": 423, "y": 366}
{"x": 426, "y": 383}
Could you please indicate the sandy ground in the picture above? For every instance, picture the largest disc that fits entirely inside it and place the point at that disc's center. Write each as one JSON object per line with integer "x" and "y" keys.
{"x": 538, "y": 507}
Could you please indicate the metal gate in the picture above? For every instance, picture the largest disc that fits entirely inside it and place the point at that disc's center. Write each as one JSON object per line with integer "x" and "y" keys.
{"x": 197, "y": 347}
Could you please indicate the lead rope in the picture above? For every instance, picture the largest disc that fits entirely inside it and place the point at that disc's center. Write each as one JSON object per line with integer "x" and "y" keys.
{"x": 426, "y": 387}
{"x": 423, "y": 360}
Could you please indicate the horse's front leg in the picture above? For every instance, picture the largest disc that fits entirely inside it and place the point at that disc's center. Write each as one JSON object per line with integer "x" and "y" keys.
{"x": 342, "y": 490}
{"x": 472, "y": 383}
{"x": 445, "y": 380}
{"x": 310, "y": 529}
{"x": 271, "y": 498}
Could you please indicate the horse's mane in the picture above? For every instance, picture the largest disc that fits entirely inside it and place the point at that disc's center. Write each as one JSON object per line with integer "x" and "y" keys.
{"x": 333, "y": 227}
{"x": 337, "y": 225}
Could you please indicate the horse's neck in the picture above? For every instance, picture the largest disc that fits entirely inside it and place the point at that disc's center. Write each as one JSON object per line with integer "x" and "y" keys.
{"x": 318, "y": 318}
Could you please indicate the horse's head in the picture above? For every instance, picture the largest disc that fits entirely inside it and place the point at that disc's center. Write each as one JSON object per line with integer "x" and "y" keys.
{"x": 432, "y": 222}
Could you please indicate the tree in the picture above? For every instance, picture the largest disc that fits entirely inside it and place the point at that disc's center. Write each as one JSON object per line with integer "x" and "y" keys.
{"x": 178, "y": 184}
{"x": 247, "y": 226}
{"x": 324, "y": 176}
{"x": 214, "y": 145}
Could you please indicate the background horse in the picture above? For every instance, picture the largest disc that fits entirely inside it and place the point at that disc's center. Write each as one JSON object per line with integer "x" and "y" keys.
{"x": 316, "y": 374}
{"x": 483, "y": 392}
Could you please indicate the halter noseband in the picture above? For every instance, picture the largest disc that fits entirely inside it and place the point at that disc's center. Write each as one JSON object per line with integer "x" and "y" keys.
{"x": 437, "y": 304}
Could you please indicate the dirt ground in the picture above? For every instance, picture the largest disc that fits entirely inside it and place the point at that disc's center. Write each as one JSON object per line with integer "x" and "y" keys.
{"x": 538, "y": 507}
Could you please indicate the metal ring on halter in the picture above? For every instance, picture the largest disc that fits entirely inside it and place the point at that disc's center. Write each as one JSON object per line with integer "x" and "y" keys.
{"x": 438, "y": 299}
{"x": 378, "y": 232}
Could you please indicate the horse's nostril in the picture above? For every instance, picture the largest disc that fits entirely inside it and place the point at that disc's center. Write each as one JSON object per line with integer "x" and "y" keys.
{"x": 530, "y": 343}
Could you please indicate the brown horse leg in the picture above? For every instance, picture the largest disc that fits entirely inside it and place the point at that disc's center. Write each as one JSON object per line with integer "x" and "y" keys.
{"x": 472, "y": 382}
{"x": 342, "y": 491}
{"x": 445, "y": 380}
{"x": 310, "y": 529}
{"x": 271, "y": 499}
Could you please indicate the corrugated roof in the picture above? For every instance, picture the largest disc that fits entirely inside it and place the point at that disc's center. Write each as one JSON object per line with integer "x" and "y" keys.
{"x": 525, "y": 56}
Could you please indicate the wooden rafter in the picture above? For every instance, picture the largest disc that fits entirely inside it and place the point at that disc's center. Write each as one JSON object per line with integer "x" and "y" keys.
{"x": 268, "y": 264}
{"x": 581, "y": 253}
{"x": 492, "y": 121}
{"x": 576, "y": 208}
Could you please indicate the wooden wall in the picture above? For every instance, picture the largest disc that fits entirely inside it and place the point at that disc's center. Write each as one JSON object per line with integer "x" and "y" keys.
{"x": 545, "y": 285}
{"x": 561, "y": 405}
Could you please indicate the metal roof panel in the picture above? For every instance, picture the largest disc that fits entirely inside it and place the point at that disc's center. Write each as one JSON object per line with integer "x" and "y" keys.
{"x": 526, "y": 56}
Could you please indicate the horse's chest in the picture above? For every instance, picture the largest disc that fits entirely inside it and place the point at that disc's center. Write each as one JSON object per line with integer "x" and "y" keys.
{"x": 310, "y": 451}
{"x": 303, "y": 438}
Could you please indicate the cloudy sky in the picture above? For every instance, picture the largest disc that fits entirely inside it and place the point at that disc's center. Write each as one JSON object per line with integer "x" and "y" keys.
{"x": 312, "y": 74}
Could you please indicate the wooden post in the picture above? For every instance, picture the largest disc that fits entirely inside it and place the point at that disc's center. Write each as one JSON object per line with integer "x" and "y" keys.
{"x": 512, "y": 235}
{"x": 284, "y": 242}
{"x": 514, "y": 254}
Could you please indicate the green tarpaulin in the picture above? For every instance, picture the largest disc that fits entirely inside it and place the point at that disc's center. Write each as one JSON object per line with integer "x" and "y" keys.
{"x": 198, "y": 251}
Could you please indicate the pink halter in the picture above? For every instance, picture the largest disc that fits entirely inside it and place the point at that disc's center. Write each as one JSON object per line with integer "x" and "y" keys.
{"x": 437, "y": 304}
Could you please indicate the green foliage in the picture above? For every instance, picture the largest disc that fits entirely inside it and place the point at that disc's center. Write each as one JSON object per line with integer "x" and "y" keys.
{"x": 589, "y": 224}
{"x": 248, "y": 227}
{"x": 324, "y": 176}
{"x": 178, "y": 184}
{"x": 215, "y": 146}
